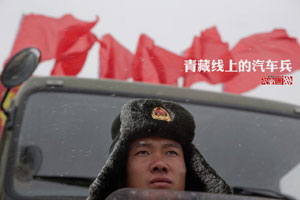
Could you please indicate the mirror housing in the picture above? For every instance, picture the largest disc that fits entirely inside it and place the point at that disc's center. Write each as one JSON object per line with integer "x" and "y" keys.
{"x": 18, "y": 69}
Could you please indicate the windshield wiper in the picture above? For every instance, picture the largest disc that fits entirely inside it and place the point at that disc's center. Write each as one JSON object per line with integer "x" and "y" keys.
{"x": 260, "y": 193}
{"x": 75, "y": 181}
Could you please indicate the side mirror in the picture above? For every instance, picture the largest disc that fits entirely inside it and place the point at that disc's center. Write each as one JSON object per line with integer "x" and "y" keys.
{"x": 18, "y": 69}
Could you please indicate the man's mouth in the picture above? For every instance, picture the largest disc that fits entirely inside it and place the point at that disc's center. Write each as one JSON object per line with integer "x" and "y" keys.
{"x": 160, "y": 183}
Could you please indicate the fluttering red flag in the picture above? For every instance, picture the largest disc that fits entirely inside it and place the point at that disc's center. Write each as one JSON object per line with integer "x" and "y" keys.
{"x": 115, "y": 59}
{"x": 68, "y": 40}
{"x": 154, "y": 64}
{"x": 57, "y": 38}
{"x": 210, "y": 47}
{"x": 267, "y": 50}
{"x": 71, "y": 61}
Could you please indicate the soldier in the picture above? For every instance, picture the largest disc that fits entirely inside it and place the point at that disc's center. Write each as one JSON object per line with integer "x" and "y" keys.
{"x": 152, "y": 148}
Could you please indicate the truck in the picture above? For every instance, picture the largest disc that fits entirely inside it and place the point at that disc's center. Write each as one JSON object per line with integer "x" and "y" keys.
{"x": 56, "y": 136}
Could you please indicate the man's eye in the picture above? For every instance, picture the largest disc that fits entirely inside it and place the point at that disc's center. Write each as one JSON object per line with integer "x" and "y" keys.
{"x": 142, "y": 153}
{"x": 173, "y": 153}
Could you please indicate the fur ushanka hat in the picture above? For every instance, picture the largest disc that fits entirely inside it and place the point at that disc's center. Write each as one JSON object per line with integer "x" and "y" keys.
{"x": 143, "y": 118}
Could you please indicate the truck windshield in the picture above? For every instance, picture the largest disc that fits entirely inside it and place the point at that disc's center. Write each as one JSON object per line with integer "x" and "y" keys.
{"x": 67, "y": 135}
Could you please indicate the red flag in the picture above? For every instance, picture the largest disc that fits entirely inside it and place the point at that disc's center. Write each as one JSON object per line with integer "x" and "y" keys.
{"x": 274, "y": 46}
{"x": 71, "y": 61}
{"x": 115, "y": 59}
{"x": 156, "y": 65}
{"x": 55, "y": 37}
{"x": 208, "y": 46}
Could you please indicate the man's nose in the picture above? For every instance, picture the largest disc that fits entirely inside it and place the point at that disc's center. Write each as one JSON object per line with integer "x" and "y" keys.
{"x": 159, "y": 166}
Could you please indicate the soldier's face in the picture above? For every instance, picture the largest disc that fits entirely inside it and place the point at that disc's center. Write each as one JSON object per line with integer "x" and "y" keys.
{"x": 156, "y": 163}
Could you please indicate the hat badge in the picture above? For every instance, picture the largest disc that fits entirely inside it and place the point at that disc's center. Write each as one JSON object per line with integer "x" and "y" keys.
{"x": 160, "y": 113}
